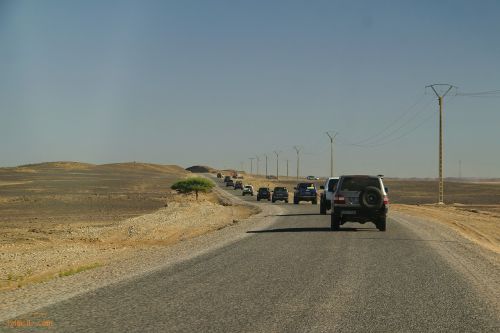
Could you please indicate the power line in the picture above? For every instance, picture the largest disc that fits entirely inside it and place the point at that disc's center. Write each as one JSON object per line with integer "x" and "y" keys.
{"x": 479, "y": 93}
{"x": 401, "y": 116}
{"x": 413, "y": 129}
{"x": 387, "y": 138}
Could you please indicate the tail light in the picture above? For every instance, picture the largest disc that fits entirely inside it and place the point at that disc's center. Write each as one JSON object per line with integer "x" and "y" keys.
{"x": 339, "y": 199}
{"x": 386, "y": 200}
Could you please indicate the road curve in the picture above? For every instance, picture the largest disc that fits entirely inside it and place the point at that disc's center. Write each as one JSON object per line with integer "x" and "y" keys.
{"x": 295, "y": 275}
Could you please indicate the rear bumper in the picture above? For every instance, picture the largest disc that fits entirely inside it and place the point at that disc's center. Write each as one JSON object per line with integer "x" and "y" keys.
{"x": 305, "y": 198}
{"x": 359, "y": 214}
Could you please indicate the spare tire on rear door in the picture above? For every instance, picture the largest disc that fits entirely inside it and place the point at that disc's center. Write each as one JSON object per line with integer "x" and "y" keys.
{"x": 371, "y": 198}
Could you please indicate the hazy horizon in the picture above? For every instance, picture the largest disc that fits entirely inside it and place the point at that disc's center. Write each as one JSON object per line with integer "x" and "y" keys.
{"x": 216, "y": 83}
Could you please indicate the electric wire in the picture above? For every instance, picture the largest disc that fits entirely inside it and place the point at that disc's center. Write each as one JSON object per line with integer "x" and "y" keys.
{"x": 403, "y": 115}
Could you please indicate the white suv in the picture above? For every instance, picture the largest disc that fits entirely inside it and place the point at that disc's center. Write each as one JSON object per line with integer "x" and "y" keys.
{"x": 247, "y": 189}
{"x": 326, "y": 198}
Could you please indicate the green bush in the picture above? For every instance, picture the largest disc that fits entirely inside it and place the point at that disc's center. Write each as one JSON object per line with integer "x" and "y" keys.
{"x": 193, "y": 184}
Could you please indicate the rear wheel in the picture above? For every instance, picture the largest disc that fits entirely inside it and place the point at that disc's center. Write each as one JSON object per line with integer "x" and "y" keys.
{"x": 286, "y": 201}
{"x": 381, "y": 224}
{"x": 335, "y": 222}
{"x": 322, "y": 207}
{"x": 295, "y": 201}
{"x": 258, "y": 199}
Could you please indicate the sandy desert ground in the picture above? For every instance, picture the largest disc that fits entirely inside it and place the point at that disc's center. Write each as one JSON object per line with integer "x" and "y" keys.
{"x": 60, "y": 218}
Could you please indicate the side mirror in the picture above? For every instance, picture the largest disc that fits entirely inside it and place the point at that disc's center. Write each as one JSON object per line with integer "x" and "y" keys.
{"x": 321, "y": 187}
{"x": 386, "y": 189}
{"x": 294, "y": 188}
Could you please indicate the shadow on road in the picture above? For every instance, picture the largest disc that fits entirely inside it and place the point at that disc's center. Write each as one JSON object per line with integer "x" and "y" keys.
{"x": 300, "y": 214}
{"x": 308, "y": 230}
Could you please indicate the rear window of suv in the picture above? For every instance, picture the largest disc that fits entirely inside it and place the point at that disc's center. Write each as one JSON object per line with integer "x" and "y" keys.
{"x": 331, "y": 184}
{"x": 280, "y": 189}
{"x": 358, "y": 183}
{"x": 307, "y": 185}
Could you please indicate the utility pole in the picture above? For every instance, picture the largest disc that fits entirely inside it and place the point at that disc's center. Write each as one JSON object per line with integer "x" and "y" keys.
{"x": 287, "y": 167}
{"x": 266, "y": 165}
{"x": 460, "y": 169}
{"x": 277, "y": 163}
{"x": 258, "y": 160}
{"x": 332, "y": 138}
{"x": 297, "y": 150}
{"x": 251, "y": 164}
{"x": 440, "y": 99}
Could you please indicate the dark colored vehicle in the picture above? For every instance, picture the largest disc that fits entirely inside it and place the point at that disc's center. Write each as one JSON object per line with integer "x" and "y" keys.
{"x": 238, "y": 185}
{"x": 280, "y": 193}
{"x": 230, "y": 183}
{"x": 362, "y": 199}
{"x": 227, "y": 178}
{"x": 219, "y": 175}
{"x": 305, "y": 192}
{"x": 264, "y": 193}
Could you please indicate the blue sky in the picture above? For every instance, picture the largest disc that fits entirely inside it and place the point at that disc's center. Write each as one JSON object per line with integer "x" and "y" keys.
{"x": 216, "y": 82}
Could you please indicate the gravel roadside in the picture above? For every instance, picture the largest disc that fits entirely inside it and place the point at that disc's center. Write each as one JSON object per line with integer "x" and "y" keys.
{"x": 478, "y": 264}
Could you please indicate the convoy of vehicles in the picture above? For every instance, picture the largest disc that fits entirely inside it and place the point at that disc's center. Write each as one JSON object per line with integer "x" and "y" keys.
{"x": 351, "y": 198}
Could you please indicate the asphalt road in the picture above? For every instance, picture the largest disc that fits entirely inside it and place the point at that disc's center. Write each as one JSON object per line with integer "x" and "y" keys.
{"x": 294, "y": 276}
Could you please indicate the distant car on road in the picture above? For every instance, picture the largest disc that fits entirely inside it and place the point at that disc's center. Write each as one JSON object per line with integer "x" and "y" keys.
{"x": 271, "y": 177}
{"x": 312, "y": 178}
{"x": 227, "y": 178}
{"x": 219, "y": 175}
{"x": 238, "y": 185}
{"x": 247, "y": 189}
{"x": 280, "y": 194}
{"x": 230, "y": 183}
{"x": 360, "y": 198}
{"x": 326, "y": 198}
{"x": 264, "y": 193}
{"x": 305, "y": 192}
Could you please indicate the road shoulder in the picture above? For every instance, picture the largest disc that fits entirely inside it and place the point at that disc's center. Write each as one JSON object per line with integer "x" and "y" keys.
{"x": 479, "y": 265}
